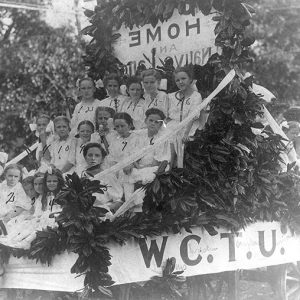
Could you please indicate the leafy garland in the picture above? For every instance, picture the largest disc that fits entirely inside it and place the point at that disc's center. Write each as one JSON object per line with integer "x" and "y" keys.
{"x": 231, "y": 176}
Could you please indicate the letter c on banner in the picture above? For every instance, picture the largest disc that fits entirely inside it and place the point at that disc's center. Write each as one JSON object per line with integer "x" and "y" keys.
{"x": 184, "y": 250}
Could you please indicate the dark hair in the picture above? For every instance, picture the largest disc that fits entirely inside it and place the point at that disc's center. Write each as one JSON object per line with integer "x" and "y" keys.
{"x": 186, "y": 69}
{"x": 14, "y": 167}
{"x": 124, "y": 116}
{"x": 93, "y": 145}
{"x": 86, "y": 122}
{"x": 103, "y": 108}
{"x": 112, "y": 76}
{"x": 88, "y": 79}
{"x": 28, "y": 180}
{"x": 61, "y": 181}
{"x": 151, "y": 72}
{"x": 133, "y": 79}
{"x": 155, "y": 111}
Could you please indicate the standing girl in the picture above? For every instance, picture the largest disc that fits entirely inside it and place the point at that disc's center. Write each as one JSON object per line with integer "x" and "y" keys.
{"x": 115, "y": 99}
{"x": 135, "y": 105}
{"x": 104, "y": 127}
{"x": 181, "y": 104}
{"x": 76, "y": 159}
{"x": 59, "y": 150}
{"x": 85, "y": 109}
{"x": 45, "y": 135}
{"x": 153, "y": 97}
{"x": 13, "y": 200}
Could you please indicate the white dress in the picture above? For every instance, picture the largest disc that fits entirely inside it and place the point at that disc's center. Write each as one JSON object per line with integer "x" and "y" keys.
{"x": 113, "y": 194}
{"x": 146, "y": 171}
{"x": 179, "y": 110}
{"x": 110, "y": 102}
{"x": 76, "y": 156}
{"x": 12, "y": 197}
{"x": 161, "y": 101}
{"x": 119, "y": 149}
{"x": 83, "y": 112}
{"x": 136, "y": 110}
{"x": 59, "y": 152}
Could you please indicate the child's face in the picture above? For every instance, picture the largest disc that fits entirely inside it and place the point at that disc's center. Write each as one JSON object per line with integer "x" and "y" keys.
{"x": 38, "y": 185}
{"x": 113, "y": 88}
{"x": 183, "y": 81}
{"x": 12, "y": 177}
{"x": 122, "y": 127}
{"x": 87, "y": 89}
{"x": 103, "y": 117}
{"x": 85, "y": 131}
{"x": 41, "y": 124}
{"x": 52, "y": 182}
{"x": 153, "y": 122}
{"x": 93, "y": 157}
{"x": 135, "y": 91}
{"x": 292, "y": 133}
{"x": 62, "y": 129}
{"x": 29, "y": 190}
{"x": 151, "y": 84}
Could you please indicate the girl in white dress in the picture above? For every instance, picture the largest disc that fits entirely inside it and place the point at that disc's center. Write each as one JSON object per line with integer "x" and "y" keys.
{"x": 111, "y": 199}
{"x": 125, "y": 143}
{"x": 181, "y": 104}
{"x": 144, "y": 169}
{"x": 38, "y": 183}
{"x": 59, "y": 149}
{"x": 153, "y": 97}
{"x": 104, "y": 127}
{"x": 115, "y": 99}
{"x": 135, "y": 105}
{"x": 76, "y": 161}
{"x": 85, "y": 109}
{"x": 13, "y": 200}
{"x": 53, "y": 181}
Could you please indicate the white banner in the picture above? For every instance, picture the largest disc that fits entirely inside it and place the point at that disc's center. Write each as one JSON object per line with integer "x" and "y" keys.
{"x": 185, "y": 38}
{"x": 259, "y": 245}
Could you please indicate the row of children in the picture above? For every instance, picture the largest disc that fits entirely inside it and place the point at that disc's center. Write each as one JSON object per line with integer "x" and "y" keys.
{"x": 99, "y": 135}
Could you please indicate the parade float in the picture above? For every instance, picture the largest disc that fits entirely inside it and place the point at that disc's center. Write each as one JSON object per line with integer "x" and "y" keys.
{"x": 234, "y": 204}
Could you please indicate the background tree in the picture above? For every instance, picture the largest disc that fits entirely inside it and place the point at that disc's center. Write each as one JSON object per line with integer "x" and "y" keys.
{"x": 276, "y": 27}
{"x": 39, "y": 68}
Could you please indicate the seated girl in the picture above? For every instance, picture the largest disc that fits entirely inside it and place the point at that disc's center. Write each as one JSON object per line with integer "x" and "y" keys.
{"x": 28, "y": 187}
{"x": 111, "y": 199}
{"x": 144, "y": 169}
{"x": 13, "y": 200}
{"x": 38, "y": 188}
{"x": 104, "y": 127}
{"x": 124, "y": 144}
{"x": 53, "y": 181}
{"x": 76, "y": 161}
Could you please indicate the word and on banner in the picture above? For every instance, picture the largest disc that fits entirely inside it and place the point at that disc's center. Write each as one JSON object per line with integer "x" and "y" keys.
{"x": 185, "y": 38}
{"x": 259, "y": 245}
